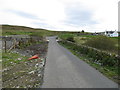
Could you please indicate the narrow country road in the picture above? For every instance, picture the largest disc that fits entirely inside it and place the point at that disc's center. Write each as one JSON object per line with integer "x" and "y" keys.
{"x": 64, "y": 70}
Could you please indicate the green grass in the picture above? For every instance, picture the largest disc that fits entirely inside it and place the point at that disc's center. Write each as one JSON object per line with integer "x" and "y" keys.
{"x": 10, "y": 59}
{"x": 80, "y": 40}
{"x": 66, "y": 35}
{"x": 115, "y": 38}
{"x": 110, "y": 72}
{"x": 21, "y": 30}
{"x": 0, "y": 60}
{"x": 27, "y": 32}
{"x": 84, "y": 38}
{"x": 90, "y": 36}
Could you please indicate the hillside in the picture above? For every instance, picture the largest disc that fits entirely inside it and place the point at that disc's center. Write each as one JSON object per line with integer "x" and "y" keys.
{"x": 22, "y": 30}
{"x": 13, "y": 27}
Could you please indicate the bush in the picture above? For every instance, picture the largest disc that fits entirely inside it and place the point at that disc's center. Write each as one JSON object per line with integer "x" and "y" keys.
{"x": 70, "y": 39}
{"x": 101, "y": 42}
{"x": 104, "y": 58}
{"x": 66, "y": 36}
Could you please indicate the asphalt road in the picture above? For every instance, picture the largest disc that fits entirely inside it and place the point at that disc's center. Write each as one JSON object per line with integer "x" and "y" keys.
{"x": 65, "y": 70}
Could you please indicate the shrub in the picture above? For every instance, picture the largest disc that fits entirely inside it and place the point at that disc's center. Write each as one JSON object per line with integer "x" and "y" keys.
{"x": 104, "y": 58}
{"x": 70, "y": 39}
{"x": 66, "y": 36}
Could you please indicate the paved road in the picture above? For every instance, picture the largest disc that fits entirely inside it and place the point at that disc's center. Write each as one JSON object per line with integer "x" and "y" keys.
{"x": 64, "y": 70}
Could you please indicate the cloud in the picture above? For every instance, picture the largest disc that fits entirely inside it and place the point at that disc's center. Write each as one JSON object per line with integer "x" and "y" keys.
{"x": 43, "y": 25}
{"x": 93, "y": 15}
{"x": 22, "y": 14}
{"x": 78, "y": 16}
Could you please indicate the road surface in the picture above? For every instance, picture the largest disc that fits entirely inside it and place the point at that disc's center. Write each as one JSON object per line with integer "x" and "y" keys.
{"x": 64, "y": 70}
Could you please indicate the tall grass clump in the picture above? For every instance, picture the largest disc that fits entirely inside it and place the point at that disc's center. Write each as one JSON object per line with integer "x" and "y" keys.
{"x": 102, "y": 43}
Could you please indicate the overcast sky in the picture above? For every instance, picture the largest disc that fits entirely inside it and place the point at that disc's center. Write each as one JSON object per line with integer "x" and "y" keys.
{"x": 63, "y": 15}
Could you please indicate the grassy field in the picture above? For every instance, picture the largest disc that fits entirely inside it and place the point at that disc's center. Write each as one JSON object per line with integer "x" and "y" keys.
{"x": 82, "y": 39}
{"x": 21, "y": 30}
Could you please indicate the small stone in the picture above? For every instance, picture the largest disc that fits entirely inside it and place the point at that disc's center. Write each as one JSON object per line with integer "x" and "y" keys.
{"x": 19, "y": 59}
{"x": 17, "y": 86}
{"x": 39, "y": 75}
{"x": 36, "y": 65}
{"x": 32, "y": 72}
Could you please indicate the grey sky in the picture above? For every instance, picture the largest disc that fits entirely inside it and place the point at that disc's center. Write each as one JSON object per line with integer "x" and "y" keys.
{"x": 65, "y": 15}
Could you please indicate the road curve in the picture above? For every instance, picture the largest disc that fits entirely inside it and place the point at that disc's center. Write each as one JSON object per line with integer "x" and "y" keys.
{"x": 65, "y": 70}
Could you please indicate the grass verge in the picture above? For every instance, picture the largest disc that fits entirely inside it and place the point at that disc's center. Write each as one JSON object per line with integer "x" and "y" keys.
{"x": 10, "y": 59}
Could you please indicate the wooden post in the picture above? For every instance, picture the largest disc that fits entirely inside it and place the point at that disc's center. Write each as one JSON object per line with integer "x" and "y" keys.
{"x": 20, "y": 44}
{"x": 5, "y": 46}
{"x": 30, "y": 39}
{"x": 14, "y": 43}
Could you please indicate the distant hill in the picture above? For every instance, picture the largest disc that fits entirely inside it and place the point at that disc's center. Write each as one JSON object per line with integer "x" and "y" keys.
{"x": 23, "y": 30}
{"x": 13, "y": 27}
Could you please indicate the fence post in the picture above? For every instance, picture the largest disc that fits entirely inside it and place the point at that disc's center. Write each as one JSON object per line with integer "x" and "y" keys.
{"x": 14, "y": 43}
{"x": 5, "y": 46}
